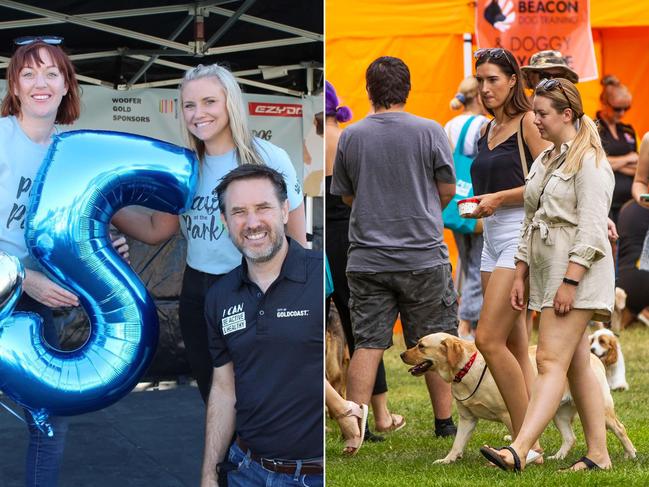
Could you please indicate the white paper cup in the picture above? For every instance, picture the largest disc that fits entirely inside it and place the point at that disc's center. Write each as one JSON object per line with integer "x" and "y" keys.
{"x": 467, "y": 206}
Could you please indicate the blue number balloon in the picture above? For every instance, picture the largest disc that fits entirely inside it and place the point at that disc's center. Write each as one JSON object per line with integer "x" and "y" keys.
{"x": 86, "y": 177}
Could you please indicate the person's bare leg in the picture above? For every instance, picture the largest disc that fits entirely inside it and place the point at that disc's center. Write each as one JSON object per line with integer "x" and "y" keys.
{"x": 464, "y": 329}
{"x": 362, "y": 374}
{"x": 518, "y": 344}
{"x": 587, "y": 395}
{"x": 496, "y": 323}
{"x": 558, "y": 339}
{"x": 383, "y": 418}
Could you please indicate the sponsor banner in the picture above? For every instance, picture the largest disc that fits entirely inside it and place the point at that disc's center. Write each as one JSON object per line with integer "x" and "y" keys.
{"x": 274, "y": 109}
{"x": 157, "y": 113}
{"x": 527, "y": 26}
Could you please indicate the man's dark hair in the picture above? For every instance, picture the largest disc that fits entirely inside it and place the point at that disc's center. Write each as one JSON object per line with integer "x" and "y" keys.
{"x": 251, "y": 171}
{"x": 388, "y": 82}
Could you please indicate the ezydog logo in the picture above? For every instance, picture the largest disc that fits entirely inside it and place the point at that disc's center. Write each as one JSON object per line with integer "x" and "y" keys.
{"x": 275, "y": 109}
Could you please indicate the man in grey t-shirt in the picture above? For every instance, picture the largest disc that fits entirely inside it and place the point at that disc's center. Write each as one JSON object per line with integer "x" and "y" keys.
{"x": 396, "y": 172}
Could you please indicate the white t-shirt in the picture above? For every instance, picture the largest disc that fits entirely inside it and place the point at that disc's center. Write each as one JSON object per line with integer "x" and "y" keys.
{"x": 454, "y": 127}
{"x": 20, "y": 159}
{"x": 209, "y": 248}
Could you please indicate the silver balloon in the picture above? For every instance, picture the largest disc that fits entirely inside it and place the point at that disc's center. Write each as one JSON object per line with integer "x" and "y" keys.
{"x": 86, "y": 177}
{"x": 12, "y": 275}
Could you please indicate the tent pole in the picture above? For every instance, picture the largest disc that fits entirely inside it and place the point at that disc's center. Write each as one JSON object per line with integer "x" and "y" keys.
{"x": 468, "y": 54}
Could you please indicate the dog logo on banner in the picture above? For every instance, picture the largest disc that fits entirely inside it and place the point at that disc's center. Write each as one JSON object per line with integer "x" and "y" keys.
{"x": 500, "y": 14}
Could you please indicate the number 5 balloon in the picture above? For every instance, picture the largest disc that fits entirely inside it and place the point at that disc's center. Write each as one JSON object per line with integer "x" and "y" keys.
{"x": 86, "y": 177}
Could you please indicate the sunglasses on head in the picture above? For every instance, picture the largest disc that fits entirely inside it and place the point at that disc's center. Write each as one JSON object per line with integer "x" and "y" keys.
{"x": 26, "y": 40}
{"x": 492, "y": 53}
{"x": 549, "y": 84}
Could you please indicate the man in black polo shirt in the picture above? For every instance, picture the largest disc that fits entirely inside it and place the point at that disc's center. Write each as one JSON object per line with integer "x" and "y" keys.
{"x": 266, "y": 338}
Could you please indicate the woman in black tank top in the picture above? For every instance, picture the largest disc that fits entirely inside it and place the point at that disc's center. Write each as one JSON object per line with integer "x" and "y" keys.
{"x": 498, "y": 176}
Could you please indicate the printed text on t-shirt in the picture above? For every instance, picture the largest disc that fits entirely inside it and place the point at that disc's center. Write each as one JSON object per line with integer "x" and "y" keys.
{"x": 18, "y": 211}
{"x": 205, "y": 225}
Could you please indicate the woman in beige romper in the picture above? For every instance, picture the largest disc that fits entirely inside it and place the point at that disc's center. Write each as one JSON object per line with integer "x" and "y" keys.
{"x": 565, "y": 250}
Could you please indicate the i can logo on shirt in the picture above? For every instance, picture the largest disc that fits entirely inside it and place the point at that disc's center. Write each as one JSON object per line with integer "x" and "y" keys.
{"x": 234, "y": 319}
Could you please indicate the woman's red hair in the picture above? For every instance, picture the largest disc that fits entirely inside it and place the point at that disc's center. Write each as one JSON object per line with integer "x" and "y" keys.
{"x": 29, "y": 55}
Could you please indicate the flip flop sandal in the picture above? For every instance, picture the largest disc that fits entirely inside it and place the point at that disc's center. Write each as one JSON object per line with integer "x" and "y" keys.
{"x": 492, "y": 455}
{"x": 590, "y": 465}
{"x": 395, "y": 426}
{"x": 358, "y": 411}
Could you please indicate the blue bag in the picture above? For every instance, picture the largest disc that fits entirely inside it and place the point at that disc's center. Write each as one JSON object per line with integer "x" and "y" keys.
{"x": 463, "y": 187}
{"x": 329, "y": 280}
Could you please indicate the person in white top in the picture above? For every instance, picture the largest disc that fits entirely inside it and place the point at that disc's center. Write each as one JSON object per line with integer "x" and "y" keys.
{"x": 214, "y": 115}
{"x": 469, "y": 245}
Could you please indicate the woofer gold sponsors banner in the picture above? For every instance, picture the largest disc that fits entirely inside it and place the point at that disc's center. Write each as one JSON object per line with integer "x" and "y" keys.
{"x": 528, "y": 26}
{"x": 156, "y": 113}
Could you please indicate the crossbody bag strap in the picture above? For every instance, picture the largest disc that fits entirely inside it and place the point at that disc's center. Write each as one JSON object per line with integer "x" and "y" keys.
{"x": 460, "y": 141}
{"x": 521, "y": 149}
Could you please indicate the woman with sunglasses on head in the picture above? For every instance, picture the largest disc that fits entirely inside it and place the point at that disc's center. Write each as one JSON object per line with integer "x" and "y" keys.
{"x": 41, "y": 91}
{"x": 564, "y": 249}
{"x": 618, "y": 139}
{"x": 214, "y": 116}
{"x": 506, "y": 149}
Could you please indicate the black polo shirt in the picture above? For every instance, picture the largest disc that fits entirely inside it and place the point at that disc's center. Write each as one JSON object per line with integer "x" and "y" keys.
{"x": 625, "y": 143}
{"x": 275, "y": 342}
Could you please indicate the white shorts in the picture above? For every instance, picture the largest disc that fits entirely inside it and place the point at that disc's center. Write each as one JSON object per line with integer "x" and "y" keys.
{"x": 501, "y": 232}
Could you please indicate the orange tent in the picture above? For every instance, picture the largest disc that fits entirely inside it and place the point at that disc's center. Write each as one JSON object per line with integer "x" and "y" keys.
{"x": 428, "y": 36}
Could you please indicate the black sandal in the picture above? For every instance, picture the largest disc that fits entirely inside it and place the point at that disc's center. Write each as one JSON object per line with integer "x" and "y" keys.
{"x": 498, "y": 461}
{"x": 590, "y": 465}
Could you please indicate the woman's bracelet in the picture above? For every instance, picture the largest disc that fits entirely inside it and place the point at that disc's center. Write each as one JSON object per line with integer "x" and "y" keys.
{"x": 571, "y": 282}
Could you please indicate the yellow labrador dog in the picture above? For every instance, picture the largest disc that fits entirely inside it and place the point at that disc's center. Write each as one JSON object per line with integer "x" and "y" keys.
{"x": 477, "y": 397}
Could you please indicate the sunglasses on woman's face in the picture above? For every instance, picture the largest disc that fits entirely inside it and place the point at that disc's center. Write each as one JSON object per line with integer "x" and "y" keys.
{"x": 623, "y": 109}
{"x": 26, "y": 40}
{"x": 549, "y": 84}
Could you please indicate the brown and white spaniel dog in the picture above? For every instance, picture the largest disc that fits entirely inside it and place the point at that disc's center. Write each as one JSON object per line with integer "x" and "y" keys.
{"x": 606, "y": 346}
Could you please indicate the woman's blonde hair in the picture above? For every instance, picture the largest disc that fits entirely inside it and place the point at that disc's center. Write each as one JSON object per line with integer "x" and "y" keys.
{"x": 466, "y": 92}
{"x": 587, "y": 139}
{"x": 244, "y": 144}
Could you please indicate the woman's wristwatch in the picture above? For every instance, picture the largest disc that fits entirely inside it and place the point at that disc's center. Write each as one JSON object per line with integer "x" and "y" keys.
{"x": 571, "y": 282}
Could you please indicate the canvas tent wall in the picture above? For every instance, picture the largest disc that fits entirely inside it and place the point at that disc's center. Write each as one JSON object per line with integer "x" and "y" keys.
{"x": 428, "y": 36}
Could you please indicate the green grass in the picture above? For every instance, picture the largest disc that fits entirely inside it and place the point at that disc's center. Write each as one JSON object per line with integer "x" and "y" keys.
{"x": 406, "y": 457}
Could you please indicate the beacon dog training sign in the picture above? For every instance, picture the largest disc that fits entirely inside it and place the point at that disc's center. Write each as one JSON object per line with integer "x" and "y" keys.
{"x": 527, "y": 26}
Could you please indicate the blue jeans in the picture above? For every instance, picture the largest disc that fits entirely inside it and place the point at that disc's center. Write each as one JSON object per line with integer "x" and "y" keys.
{"x": 44, "y": 454}
{"x": 469, "y": 246}
{"x": 251, "y": 474}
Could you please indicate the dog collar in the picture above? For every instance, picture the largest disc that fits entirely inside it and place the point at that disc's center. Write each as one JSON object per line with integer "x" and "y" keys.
{"x": 465, "y": 369}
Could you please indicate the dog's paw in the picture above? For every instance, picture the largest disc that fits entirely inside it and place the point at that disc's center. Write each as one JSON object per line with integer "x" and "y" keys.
{"x": 630, "y": 455}
{"x": 445, "y": 461}
{"x": 620, "y": 387}
{"x": 560, "y": 455}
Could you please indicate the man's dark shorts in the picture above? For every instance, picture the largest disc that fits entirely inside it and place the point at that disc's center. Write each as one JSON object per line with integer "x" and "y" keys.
{"x": 425, "y": 299}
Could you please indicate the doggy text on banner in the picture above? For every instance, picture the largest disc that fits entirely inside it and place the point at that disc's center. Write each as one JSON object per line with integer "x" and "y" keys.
{"x": 528, "y": 26}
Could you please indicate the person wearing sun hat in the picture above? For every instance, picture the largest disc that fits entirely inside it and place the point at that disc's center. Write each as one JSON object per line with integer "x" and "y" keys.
{"x": 547, "y": 64}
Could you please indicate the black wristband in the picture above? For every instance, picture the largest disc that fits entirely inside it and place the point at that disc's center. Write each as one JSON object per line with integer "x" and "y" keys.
{"x": 571, "y": 282}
